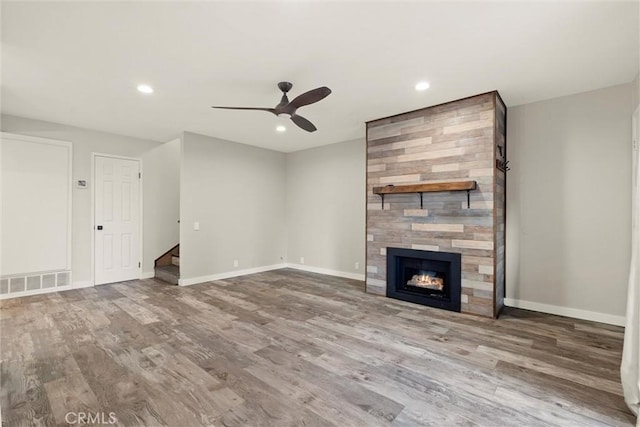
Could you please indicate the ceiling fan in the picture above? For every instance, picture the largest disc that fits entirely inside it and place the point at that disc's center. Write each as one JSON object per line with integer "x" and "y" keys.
{"x": 289, "y": 108}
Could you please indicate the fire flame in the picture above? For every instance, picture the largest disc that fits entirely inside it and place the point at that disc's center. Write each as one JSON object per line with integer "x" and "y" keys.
{"x": 427, "y": 281}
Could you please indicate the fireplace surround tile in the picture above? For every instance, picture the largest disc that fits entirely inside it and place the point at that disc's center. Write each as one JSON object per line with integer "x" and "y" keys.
{"x": 449, "y": 142}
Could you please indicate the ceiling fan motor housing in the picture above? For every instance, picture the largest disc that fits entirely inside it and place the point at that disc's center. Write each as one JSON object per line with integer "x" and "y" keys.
{"x": 285, "y": 86}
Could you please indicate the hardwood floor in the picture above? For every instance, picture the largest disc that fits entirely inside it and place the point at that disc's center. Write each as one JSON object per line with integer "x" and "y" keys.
{"x": 291, "y": 348}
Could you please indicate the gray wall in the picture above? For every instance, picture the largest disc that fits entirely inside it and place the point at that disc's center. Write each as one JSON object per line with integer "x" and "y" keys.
{"x": 236, "y": 193}
{"x": 161, "y": 179}
{"x": 635, "y": 92}
{"x": 326, "y": 206}
{"x": 85, "y": 142}
{"x": 568, "y": 201}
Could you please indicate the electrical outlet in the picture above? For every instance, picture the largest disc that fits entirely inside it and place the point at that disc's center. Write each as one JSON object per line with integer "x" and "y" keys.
{"x": 196, "y": 226}
{"x": 235, "y": 262}
{"x": 357, "y": 266}
{"x": 301, "y": 260}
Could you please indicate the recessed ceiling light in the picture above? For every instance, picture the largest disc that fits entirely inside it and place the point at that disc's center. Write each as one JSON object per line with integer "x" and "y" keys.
{"x": 145, "y": 89}
{"x": 422, "y": 86}
{"x": 281, "y": 128}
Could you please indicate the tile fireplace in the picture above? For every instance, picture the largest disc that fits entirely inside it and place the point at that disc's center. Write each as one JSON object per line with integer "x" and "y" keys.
{"x": 436, "y": 180}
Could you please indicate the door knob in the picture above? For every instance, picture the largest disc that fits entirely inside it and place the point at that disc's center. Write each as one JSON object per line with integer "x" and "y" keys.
{"x": 99, "y": 227}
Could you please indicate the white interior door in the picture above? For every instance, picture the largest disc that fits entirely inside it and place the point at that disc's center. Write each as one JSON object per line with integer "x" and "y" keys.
{"x": 117, "y": 219}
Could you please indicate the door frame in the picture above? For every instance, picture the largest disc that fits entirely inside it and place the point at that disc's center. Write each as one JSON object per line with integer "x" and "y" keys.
{"x": 93, "y": 207}
{"x": 635, "y": 147}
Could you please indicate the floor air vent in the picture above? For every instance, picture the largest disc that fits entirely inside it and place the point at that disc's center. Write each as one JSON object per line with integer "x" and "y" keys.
{"x": 32, "y": 283}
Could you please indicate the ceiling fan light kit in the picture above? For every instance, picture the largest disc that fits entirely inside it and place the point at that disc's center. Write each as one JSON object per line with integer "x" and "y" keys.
{"x": 286, "y": 108}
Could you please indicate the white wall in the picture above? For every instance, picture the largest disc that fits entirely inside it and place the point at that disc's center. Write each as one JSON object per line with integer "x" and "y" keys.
{"x": 85, "y": 142}
{"x": 36, "y": 205}
{"x": 568, "y": 203}
{"x": 326, "y": 207}
{"x": 237, "y": 194}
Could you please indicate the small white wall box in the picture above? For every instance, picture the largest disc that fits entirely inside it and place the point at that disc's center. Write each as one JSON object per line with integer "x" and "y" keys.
{"x": 81, "y": 183}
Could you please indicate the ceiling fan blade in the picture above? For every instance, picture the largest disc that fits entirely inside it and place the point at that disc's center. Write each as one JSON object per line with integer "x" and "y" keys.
{"x": 270, "y": 110}
{"x": 310, "y": 97}
{"x": 303, "y": 123}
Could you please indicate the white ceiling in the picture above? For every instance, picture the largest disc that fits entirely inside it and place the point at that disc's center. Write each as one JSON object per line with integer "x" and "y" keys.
{"x": 78, "y": 63}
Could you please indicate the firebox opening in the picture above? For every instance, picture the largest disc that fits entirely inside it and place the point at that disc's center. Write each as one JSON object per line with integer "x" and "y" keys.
{"x": 427, "y": 277}
{"x": 424, "y": 277}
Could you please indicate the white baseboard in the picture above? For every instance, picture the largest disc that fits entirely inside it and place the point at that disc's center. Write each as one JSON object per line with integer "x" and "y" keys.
{"x": 328, "y": 272}
{"x": 229, "y": 274}
{"x": 610, "y": 319}
{"x": 83, "y": 284}
{"x": 236, "y": 273}
{"x": 147, "y": 275}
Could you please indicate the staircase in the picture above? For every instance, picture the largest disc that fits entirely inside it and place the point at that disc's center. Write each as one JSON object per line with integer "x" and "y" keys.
{"x": 167, "y": 266}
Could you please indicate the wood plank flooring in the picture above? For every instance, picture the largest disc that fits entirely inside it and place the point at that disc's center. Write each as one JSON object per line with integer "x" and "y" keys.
{"x": 288, "y": 348}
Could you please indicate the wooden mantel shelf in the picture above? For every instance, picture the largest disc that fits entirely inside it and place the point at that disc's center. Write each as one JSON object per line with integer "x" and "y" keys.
{"x": 426, "y": 188}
